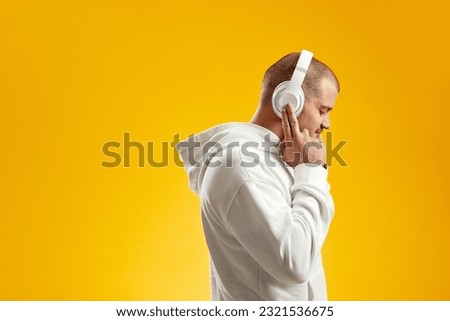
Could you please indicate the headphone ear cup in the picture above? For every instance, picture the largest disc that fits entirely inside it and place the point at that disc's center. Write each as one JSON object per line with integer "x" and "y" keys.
{"x": 301, "y": 99}
{"x": 280, "y": 98}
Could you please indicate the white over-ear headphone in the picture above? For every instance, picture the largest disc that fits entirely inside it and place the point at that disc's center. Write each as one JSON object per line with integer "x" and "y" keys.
{"x": 290, "y": 91}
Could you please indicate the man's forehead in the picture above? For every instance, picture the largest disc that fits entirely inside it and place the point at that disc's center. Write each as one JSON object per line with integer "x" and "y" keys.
{"x": 328, "y": 93}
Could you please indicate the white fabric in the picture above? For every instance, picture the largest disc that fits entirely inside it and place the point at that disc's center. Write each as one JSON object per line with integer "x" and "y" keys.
{"x": 264, "y": 223}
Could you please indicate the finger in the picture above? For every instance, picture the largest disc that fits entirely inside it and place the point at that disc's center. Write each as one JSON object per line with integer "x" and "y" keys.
{"x": 285, "y": 124}
{"x": 282, "y": 148}
{"x": 293, "y": 122}
{"x": 305, "y": 132}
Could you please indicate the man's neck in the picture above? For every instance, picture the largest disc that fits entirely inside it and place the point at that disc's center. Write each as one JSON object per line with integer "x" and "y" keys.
{"x": 269, "y": 122}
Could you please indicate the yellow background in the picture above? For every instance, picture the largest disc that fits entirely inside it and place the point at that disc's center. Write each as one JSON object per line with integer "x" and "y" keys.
{"x": 77, "y": 74}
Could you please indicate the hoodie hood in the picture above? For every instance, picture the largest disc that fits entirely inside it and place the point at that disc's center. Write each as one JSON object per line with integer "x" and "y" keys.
{"x": 197, "y": 150}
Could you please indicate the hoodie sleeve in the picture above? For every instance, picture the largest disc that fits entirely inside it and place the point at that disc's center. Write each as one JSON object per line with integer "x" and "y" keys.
{"x": 285, "y": 239}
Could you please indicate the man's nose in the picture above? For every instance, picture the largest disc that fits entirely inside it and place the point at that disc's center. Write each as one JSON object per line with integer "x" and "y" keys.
{"x": 326, "y": 122}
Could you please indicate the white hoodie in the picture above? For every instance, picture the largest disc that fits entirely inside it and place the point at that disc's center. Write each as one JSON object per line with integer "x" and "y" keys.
{"x": 264, "y": 222}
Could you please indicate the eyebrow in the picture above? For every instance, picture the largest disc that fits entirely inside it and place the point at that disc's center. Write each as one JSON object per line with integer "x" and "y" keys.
{"x": 327, "y": 107}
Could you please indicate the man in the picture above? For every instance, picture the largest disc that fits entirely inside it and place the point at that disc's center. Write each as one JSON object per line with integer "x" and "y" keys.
{"x": 265, "y": 202}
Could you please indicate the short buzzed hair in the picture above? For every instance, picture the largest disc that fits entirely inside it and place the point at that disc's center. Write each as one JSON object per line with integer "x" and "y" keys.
{"x": 283, "y": 69}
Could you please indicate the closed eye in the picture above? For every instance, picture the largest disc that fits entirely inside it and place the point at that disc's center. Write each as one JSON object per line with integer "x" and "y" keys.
{"x": 325, "y": 110}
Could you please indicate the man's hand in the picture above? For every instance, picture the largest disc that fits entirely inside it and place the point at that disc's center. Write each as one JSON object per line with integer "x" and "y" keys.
{"x": 299, "y": 147}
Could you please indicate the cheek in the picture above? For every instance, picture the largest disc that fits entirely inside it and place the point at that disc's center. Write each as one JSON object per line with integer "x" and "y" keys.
{"x": 318, "y": 120}
{"x": 307, "y": 121}
{"x": 310, "y": 120}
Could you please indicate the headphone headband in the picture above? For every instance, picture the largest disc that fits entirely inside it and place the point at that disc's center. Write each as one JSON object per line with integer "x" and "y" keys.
{"x": 300, "y": 70}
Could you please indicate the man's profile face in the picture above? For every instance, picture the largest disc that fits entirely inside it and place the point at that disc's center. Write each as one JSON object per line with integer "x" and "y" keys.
{"x": 316, "y": 112}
